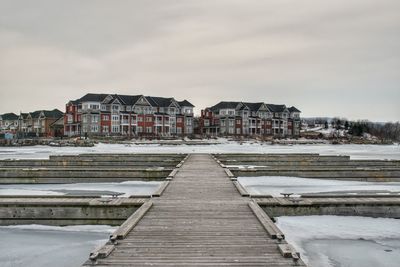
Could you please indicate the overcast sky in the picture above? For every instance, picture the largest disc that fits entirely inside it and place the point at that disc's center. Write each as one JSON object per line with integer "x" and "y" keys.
{"x": 327, "y": 58}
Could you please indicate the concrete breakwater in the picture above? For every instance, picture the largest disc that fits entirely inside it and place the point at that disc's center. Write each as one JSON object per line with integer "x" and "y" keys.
{"x": 372, "y": 206}
{"x": 311, "y": 166}
{"x": 89, "y": 168}
{"x": 60, "y": 211}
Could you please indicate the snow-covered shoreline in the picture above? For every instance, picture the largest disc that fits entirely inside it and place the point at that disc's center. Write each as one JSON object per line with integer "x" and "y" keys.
{"x": 355, "y": 151}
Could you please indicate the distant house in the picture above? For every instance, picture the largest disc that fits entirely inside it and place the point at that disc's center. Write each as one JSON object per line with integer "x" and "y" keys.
{"x": 129, "y": 115}
{"x": 38, "y": 123}
{"x": 8, "y": 122}
{"x": 250, "y": 119}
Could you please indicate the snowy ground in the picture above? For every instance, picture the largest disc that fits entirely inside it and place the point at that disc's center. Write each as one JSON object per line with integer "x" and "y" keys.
{"x": 338, "y": 241}
{"x": 125, "y": 189}
{"x": 355, "y": 151}
{"x": 274, "y": 185}
{"x": 48, "y": 246}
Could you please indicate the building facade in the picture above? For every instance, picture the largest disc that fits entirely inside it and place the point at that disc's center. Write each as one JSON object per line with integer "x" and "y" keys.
{"x": 128, "y": 115}
{"x": 32, "y": 124}
{"x": 250, "y": 119}
{"x": 8, "y": 123}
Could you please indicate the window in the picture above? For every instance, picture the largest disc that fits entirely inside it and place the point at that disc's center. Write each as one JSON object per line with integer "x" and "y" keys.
{"x": 69, "y": 118}
{"x": 149, "y": 119}
{"x": 231, "y": 123}
{"x": 206, "y": 122}
{"x": 188, "y": 122}
{"x": 140, "y": 119}
{"x": 115, "y": 117}
{"x": 94, "y": 128}
{"x": 93, "y": 106}
{"x": 222, "y": 122}
{"x": 95, "y": 118}
{"x": 238, "y": 121}
{"x": 106, "y": 129}
{"x": 140, "y": 129}
{"x": 133, "y": 119}
{"x": 115, "y": 129}
{"x": 115, "y": 107}
{"x": 106, "y": 118}
{"x": 178, "y": 120}
{"x": 148, "y": 129}
{"x": 178, "y": 130}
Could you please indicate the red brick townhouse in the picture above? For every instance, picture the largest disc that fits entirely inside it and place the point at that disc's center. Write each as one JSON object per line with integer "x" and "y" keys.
{"x": 243, "y": 118}
{"x": 131, "y": 115}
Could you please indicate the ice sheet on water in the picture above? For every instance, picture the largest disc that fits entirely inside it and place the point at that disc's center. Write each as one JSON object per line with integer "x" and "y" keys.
{"x": 70, "y": 228}
{"x": 45, "y": 246}
{"x": 343, "y": 241}
{"x": 126, "y": 189}
{"x": 274, "y": 185}
{"x": 224, "y": 146}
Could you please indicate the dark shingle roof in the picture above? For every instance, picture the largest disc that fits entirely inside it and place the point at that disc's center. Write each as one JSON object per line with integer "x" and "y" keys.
{"x": 276, "y": 108}
{"x": 93, "y": 97}
{"x": 224, "y": 105}
{"x": 185, "y": 103}
{"x": 254, "y": 106}
{"x": 128, "y": 99}
{"x": 293, "y": 109}
{"x": 9, "y": 116}
{"x": 159, "y": 101}
{"x": 54, "y": 114}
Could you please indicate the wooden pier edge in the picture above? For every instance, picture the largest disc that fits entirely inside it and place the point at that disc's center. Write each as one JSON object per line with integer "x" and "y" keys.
{"x": 266, "y": 222}
{"x": 160, "y": 189}
{"x": 131, "y": 222}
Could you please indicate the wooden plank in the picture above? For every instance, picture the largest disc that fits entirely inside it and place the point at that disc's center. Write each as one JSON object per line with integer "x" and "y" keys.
{"x": 131, "y": 222}
{"x": 266, "y": 222}
{"x": 241, "y": 189}
{"x": 161, "y": 189}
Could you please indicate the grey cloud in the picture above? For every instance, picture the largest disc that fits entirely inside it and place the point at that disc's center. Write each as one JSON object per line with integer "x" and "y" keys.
{"x": 327, "y": 58}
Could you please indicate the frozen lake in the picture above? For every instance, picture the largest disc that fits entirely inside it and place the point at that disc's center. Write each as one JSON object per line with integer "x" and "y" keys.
{"x": 124, "y": 189}
{"x": 274, "y": 185}
{"x": 355, "y": 151}
{"x": 49, "y": 246}
{"x": 338, "y": 241}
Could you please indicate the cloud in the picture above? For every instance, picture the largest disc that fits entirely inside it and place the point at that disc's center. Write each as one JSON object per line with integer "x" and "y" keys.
{"x": 327, "y": 58}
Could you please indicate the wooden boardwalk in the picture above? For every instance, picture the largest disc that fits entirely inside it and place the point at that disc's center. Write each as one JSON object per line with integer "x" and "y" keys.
{"x": 199, "y": 220}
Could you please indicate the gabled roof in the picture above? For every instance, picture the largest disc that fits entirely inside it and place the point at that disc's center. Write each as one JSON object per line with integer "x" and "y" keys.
{"x": 9, "y": 116}
{"x": 276, "y": 108}
{"x": 23, "y": 115}
{"x": 54, "y": 114}
{"x": 225, "y": 105}
{"x": 93, "y": 97}
{"x": 293, "y": 109}
{"x": 254, "y": 106}
{"x": 159, "y": 101}
{"x": 129, "y": 99}
{"x": 74, "y": 102}
{"x": 185, "y": 103}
